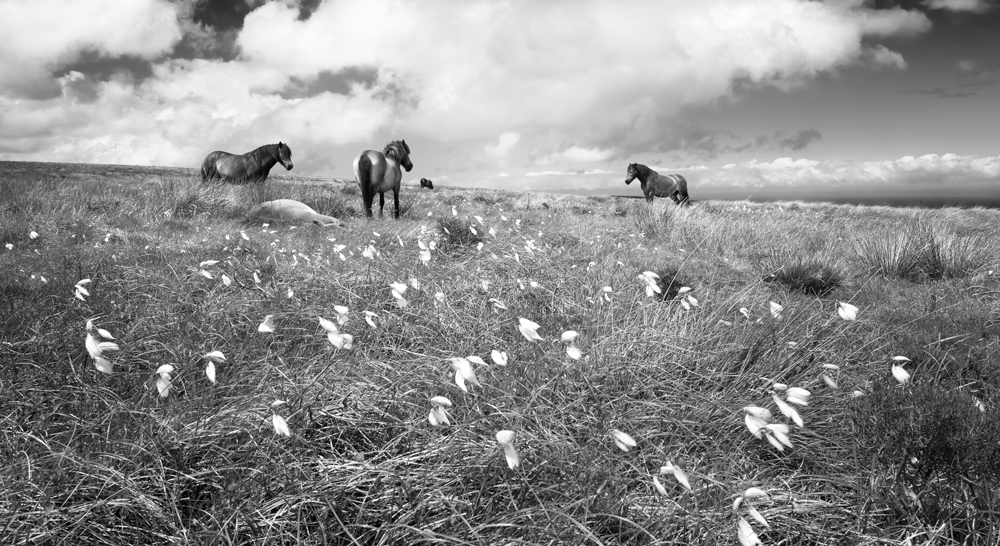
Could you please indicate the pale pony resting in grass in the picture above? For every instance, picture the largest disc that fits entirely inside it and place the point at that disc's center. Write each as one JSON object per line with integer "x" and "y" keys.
{"x": 290, "y": 211}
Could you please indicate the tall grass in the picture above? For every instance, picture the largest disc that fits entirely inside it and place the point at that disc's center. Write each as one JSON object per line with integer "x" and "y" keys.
{"x": 90, "y": 458}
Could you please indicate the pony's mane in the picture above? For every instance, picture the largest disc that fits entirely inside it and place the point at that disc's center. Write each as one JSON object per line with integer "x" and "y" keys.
{"x": 260, "y": 150}
{"x": 393, "y": 147}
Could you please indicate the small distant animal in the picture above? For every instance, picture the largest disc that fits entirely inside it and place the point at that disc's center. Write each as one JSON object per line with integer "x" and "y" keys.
{"x": 289, "y": 211}
{"x": 425, "y": 183}
{"x": 379, "y": 172}
{"x": 673, "y": 186}
{"x": 250, "y": 167}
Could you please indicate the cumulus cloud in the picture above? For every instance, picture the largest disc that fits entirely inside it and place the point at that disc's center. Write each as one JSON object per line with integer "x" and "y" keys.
{"x": 880, "y": 56}
{"x": 516, "y": 69}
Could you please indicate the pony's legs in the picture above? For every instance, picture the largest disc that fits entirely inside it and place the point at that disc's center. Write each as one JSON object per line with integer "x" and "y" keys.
{"x": 381, "y": 203}
{"x": 395, "y": 198}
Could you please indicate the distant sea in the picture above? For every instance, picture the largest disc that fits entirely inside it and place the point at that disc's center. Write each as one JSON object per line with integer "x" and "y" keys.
{"x": 978, "y": 195}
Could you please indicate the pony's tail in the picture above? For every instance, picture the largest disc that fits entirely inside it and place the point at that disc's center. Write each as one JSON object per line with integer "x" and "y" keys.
{"x": 365, "y": 176}
{"x": 683, "y": 192}
{"x": 208, "y": 170}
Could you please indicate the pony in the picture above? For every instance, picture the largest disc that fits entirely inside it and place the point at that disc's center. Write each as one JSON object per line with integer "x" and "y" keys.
{"x": 289, "y": 211}
{"x": 249, "y": 167}
{"x": 673, "y": 186}
{"x": 379, "y": 172}
{"x": 425, "y": 183}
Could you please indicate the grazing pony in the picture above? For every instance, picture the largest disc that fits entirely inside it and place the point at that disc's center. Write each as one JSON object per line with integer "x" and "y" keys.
{"x": 249, "y": 167}
{"x": 378, "y": 172}
{"x": 673, "y": 186}
{"x": 425, "y": 183}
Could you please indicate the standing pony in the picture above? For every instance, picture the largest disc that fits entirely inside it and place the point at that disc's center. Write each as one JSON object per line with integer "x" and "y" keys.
{"x": 426, "y": 183}
{"x": 673, "y": 186}
{"x": 249, "y": 167}
{"x": 379, "y": 172}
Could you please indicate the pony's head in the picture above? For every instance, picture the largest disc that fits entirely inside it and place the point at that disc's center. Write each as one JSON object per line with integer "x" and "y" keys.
{"x": 398, "y": 150}
{"x": 633, "y": 171}
{"x": 285, "y": 156}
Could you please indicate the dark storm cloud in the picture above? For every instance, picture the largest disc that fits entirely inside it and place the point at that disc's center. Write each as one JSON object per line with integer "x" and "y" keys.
{"x": 307, "y": 8}
{"x": 223, "y": 15}
{"x": 98, "y": 67}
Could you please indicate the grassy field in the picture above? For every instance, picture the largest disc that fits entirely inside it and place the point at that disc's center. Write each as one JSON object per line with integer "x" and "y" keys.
{"x": 152, "y": 455}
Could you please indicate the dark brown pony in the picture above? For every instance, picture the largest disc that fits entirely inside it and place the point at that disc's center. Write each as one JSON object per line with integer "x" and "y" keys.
{"x": 673, "y": 186}
{"x": 249, "y": 167}
{"x": 378, "y": 172}
{"x": 426, "y": 183}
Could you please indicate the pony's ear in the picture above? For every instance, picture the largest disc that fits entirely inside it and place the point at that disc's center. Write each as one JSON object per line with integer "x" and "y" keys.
{"x": 405, "y": 145}
{"x": 280, "y": 144}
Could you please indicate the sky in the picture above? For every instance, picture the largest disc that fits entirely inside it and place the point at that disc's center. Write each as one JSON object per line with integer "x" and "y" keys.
{"x": 518, "y": 94}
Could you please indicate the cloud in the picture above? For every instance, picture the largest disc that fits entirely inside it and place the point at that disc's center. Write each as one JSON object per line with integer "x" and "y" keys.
{"x": 506, "y": 142}
{"x": 785, "y": 171}
{"x": 502, "y": 175}
{"x": 880, "y": 56}
{"x": 974, "y": 6}
{"x": 40, "y": 36}
{"x": 800, "y": 141}
{"x": 586, "y": 155}
{"x": 346, "y": 72}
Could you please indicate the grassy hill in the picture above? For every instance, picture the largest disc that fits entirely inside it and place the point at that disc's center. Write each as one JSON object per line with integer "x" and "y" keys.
{"x": 176, "y": 272}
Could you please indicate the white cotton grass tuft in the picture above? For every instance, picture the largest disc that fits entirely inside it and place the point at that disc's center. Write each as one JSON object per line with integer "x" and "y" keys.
{"x": 163, "y": 379}
{"x": 756, "y": 419}
{"x": 652, "y": 282}
{"x": 464, "y": 373}
{"x": 528, "y": 329}
{"x": 506, "y": 439}
{"x": 777, "y": 435}
{"x": 788, "y": 411}
{"x": 370, "y": 318}
{"x": 776, "y": 310}
{"x": 499, "y": 357}
{"x": 96, "y": 348}
{"x": 659, "y": 486}
{"x": 439, "y": 411}
{"x": 80, "y": 291}
{"x": 623, "y": 440}
{"x": 280, "y": 425}
{"x": 267, "y": 325}
{"x": 847, "y": 311}
{"x": 900, "y": 374}
{"x": 342, "y": 312}
{"x": 212, "y": 357}
{"x": 679, "y": 474}
{"x": 398, "y": 289}
{"x": 798, "y": 395}
{"x": 746, "y": 535}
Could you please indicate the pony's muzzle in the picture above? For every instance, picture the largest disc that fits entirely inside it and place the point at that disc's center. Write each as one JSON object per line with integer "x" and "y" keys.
{"x": 288, "y": 166}
{"x": 628, "y": 181}
{"x": 408, "y": 167}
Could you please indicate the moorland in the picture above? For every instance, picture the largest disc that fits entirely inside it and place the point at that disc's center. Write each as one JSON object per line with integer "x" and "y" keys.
{"x": 201, "y": 422}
